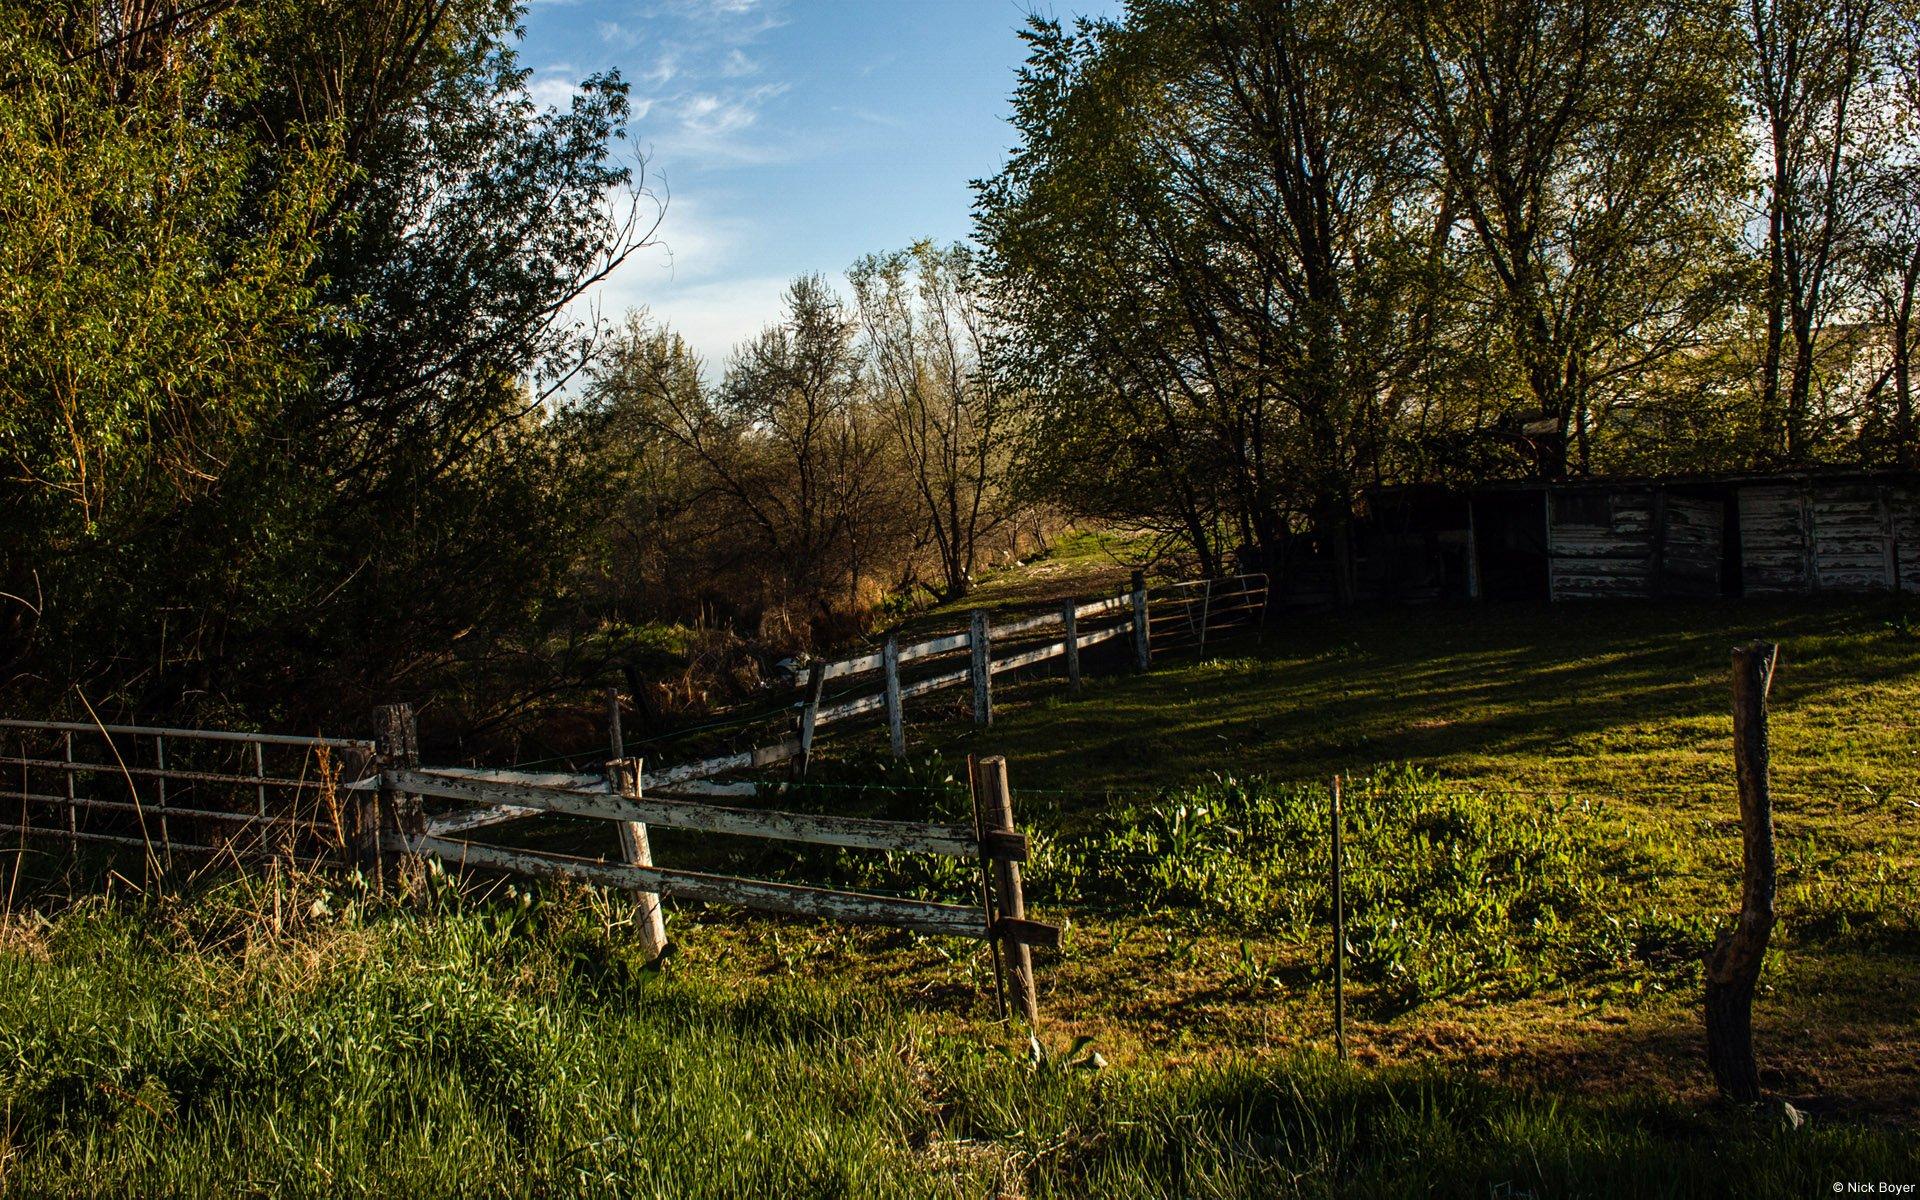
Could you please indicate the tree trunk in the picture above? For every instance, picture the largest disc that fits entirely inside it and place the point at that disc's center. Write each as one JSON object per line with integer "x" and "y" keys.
{"x": 1776, "y": 292}
{"x": 1800, "y": 395}
{"x": 1902, "y": 366}
{"x": 1733, "y": 967}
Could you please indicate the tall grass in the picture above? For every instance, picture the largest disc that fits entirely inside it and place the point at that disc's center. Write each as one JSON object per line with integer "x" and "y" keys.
{"x": 517, "y": 1046}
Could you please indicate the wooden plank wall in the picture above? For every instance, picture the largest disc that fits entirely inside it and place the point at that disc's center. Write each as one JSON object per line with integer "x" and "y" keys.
{"x": 1904, "y": 518}
{"x": 1594, "y": 561}
{"x": 1694, "y": 547}
{"x": 1797, "y": 538}
{"x": 1773, "y": 540}
{"x": 1849, "y": 539}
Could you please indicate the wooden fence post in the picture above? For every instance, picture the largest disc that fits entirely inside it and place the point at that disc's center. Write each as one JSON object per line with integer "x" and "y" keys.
{"x": 625, "y": 775}
{"x": 981, "y": 642}
{"x": 1070, "y": 618}
{"x": 365, "y": 813}
{"x": 399, "y": 813}
{"x": 1733, "y": 966}
{"x": 896, "y": 718}
{"x": 1339, "y": 933}
{"x": 997, "y": 809}
{"x": 1142, "y": 650}
{"x": 816, "y": 684}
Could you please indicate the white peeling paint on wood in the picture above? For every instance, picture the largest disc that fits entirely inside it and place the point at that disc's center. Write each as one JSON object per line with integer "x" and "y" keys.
{"x": 920, "y": 915}
{"x": 815, "y": 829}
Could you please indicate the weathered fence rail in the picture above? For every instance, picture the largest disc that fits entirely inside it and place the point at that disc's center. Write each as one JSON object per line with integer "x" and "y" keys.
{"x": 999, "y": 915}
{"x": 264, "y": 796}
{"x": 1187, "y": 612}
{"x": 171, "y": 777}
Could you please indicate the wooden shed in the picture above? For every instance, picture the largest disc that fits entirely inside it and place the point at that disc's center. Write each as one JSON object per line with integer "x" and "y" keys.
{"x": 1816, "y": 534}
{"x": 1597, "y": 539}
{"x": 1609, "y": 541}
{"x": 1832, "y": 531}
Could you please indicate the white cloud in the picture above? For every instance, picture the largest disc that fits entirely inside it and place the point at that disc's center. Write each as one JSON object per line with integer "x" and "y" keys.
{"x": 871, "y": 117}
{"x": 553, "y": 87}
{"x": 700, "y": 97}
{"x": 718, "y": 316}
{"x": 717, "y": 124}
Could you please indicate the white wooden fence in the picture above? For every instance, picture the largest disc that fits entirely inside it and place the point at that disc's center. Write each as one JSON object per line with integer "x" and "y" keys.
{"x": 255, "y": 796}
{"x": 992, "y": 840}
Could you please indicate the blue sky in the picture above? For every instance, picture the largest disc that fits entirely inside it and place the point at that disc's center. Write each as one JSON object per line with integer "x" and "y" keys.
{"x": 789, "y": 136}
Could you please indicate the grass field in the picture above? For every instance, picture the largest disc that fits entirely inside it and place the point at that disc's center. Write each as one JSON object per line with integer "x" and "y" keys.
{"x": 192, "y": 1049}
{"x": 1542, "y": 836}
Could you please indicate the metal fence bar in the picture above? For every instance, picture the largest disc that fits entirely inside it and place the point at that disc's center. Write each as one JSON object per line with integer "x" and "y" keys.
{"x": 208, "y": 735}
{"x": 81, "y": 835}
{"x": 173, "y": 773}
{"x": 198, "y": 814}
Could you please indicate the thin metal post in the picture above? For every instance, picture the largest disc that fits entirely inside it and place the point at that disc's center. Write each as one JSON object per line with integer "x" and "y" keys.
{"x": 260, "y": 774}
{"x": 1339, "y": 935}
{"x": 73, "y": 800}
{"x": 1142, "y": 636}
{"x": 166, "y": 836}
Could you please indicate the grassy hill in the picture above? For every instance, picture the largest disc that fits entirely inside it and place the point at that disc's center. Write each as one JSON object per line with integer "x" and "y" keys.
{"x": 1542, "y": 840}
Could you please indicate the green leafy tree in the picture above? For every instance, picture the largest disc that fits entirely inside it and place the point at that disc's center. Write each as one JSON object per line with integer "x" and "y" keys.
{"x": 153, "y": 295}
{"x": 928, "y": 351}
{"x": 1591, "y": 154}
{"x": 1212, "y": 243}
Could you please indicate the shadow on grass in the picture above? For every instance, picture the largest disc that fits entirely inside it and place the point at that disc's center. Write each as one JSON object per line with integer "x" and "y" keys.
{"x": 1625, "y": 693}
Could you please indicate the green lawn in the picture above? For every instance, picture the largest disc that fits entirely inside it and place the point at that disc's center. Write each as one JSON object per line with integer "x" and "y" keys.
{"x": 1614, "y": 700}
{"x": 200, "y": 1048}
{"x": 1542, "y": 839}
{"x": 1576, "y": 764}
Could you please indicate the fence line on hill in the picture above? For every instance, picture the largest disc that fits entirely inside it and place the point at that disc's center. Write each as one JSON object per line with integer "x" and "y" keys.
{"x": 215, "y": 793}
{"x": 186, "y": 764}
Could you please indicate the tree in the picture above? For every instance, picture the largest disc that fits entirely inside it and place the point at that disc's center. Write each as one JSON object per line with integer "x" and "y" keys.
{"x": 798, "y": 501}
{"x": 1590, "y": 151}
{"x": 1212, "y": 243}
{"x": 1891, "y": 259}
{"x": 927, "y": 349}
{"x": 1810, "y": 64}
{"x": 150, "y": 304}
{"x": 316, "y": 257}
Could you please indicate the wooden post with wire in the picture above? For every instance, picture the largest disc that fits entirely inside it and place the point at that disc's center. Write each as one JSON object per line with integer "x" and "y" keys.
{"x": 1733, "y": 966}
{"x": 399, "y": 813}
{"x": 1339, "y": 934}
{"x": 996, "y": 806}
{"x": 367, "y": 806}
{"x": 625, "y": 775}
{"x": 986, "y": 891}
{"x": 1070, "y": 642}
{"x": 809, "y": 715}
